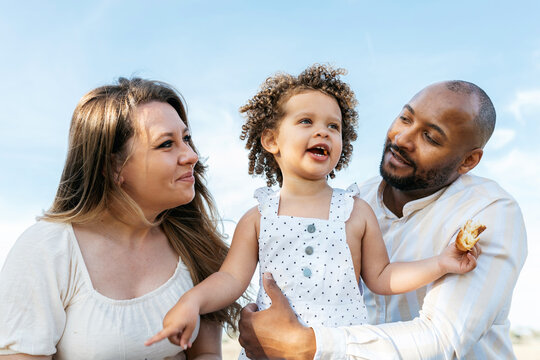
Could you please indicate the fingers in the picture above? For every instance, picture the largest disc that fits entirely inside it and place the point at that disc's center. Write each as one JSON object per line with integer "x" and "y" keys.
{"x": 163, "y": 334}
{"x": 273, "y": 291}
{"x": 472, "y": 260}
{"x": 249, "y": 308}
{"x": 476, "y": 250}
{"x": 185, "y": 337}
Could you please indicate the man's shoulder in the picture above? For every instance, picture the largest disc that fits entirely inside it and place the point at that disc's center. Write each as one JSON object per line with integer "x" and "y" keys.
{"x": 369, "y": 188}
{"x": 473, "y": 186}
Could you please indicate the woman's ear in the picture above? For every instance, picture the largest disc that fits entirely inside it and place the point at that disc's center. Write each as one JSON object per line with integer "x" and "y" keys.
{"x": 117, "y": 170}
{"x": 269, "y": 141}
{"x": 470, "y": 162}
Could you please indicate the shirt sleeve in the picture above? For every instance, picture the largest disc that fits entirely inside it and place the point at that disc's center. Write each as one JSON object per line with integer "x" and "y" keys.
{"x": 33, "y": 284}
{"x": 457, "y": 311}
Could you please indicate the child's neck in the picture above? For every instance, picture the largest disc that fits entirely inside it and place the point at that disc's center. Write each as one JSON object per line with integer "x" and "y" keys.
{"x": 303, "y": 187}
{"x": 305, "y": 198}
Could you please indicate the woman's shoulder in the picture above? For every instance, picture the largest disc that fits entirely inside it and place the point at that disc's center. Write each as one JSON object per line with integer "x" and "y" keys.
{"x": 45, "y": 237}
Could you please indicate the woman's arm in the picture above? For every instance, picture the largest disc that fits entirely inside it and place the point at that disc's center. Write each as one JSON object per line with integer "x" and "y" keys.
{"x": 208, "y": 343}
{"x": 219, "y": 289}
{"x": 385, "y": 278}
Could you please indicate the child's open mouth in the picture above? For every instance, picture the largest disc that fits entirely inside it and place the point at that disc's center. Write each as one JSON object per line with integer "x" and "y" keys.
{"x": 319, "y": 151}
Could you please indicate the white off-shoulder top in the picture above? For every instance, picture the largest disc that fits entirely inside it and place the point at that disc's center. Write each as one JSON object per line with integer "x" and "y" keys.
{"x": 48, "y": 305}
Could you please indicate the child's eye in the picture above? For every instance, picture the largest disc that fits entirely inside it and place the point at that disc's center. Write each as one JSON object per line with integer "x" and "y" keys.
{"x": 334, "y": 126}
{"x": 305, "y": 121}
{"x": 165, "y": 144}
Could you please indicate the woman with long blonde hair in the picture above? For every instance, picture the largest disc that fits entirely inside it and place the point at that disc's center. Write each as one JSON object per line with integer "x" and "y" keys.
{"x": 132, "y": 228}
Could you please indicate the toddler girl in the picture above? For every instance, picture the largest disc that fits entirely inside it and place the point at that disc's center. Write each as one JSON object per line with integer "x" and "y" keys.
{"x": 318, "y": 242}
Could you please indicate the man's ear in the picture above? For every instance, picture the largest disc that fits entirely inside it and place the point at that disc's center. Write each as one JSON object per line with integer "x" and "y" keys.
{"x": 269, "y": 141}
{"x": 470, "y": 162}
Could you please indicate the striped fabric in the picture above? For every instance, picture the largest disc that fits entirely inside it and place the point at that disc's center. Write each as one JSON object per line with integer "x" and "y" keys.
{"x": 458, "y": 316}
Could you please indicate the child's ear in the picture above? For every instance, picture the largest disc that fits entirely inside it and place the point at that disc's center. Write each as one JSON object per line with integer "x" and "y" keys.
{"x": 269, "y": 141}
{"x": 470, "y": 162}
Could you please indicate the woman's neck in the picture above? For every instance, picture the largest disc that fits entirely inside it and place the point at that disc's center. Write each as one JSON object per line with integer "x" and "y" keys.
{"x": 130, "y": 232}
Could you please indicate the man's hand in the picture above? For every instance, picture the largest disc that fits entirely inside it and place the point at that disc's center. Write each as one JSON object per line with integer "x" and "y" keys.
{"x": 275, "y": 333}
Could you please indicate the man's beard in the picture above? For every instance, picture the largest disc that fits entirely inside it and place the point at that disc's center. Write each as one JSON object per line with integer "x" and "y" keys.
{"x": 432, "y": 178}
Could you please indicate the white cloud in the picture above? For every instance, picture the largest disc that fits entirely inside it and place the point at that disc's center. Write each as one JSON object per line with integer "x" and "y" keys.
{"x": 500, "y": 138}
{"x": 517, "y": 169}
{"x": 524, "y": 103}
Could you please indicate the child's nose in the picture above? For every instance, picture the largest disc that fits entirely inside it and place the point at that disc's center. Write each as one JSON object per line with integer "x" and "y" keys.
{"x": 322, "y": 132}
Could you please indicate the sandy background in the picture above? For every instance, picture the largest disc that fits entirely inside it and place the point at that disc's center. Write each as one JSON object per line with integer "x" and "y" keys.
{"x": 526, "y": 348}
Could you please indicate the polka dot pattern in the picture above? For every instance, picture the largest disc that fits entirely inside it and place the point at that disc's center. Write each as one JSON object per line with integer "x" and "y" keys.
{"x": 311, "y": 261}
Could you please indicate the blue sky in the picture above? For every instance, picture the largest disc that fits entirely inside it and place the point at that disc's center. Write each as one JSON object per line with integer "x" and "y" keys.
{"x": 218, "y": 52}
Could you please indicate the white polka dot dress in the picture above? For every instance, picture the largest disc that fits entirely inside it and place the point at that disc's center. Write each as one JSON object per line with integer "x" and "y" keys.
{"x": 311, "y": 261}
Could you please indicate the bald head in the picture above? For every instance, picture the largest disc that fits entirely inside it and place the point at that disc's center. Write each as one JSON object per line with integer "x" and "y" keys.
{"x": 485, "y": 116}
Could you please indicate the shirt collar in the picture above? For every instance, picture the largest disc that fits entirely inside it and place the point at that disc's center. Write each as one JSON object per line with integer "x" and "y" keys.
{"x": 409, "y": 207}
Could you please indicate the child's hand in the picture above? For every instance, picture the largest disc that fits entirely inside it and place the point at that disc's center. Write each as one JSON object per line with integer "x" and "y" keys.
{"x": 178, "y": 324}
{"x": 453, "y": 260}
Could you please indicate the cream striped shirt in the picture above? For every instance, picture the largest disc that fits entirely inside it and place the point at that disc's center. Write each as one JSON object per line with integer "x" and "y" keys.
{"x": 457, "y": 316}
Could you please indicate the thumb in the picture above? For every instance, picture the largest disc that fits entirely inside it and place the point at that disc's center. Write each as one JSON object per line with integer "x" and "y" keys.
{"x": 273, "y": 291}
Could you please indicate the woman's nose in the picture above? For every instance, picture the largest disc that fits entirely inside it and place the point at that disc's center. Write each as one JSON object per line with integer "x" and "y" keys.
{"x": 188, "y": 156}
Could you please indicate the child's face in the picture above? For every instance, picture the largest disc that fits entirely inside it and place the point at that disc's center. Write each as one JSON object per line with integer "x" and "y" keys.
{"x": 307, "y": 143}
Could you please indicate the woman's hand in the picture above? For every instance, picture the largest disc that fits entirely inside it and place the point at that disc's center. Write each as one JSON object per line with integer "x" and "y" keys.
{"x": 275, "y": 332}
{"x": 453, "y": 260}
{"x": 178, "y": 324}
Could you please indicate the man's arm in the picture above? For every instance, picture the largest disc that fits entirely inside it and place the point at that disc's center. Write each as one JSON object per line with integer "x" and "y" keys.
{"x": 458, "y": 310}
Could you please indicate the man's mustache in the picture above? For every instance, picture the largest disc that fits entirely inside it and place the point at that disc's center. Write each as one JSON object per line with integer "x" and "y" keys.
{"x": 401, "y": 152}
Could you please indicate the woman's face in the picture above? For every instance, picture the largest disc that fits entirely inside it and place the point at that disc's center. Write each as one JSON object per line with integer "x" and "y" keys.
{"x": 159, "y": 173}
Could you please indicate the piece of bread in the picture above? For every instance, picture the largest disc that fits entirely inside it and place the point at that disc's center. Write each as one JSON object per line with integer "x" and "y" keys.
{"x": 468, "y": 235}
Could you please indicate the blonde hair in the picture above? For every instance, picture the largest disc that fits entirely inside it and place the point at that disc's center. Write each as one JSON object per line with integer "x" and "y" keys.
{"x": 101, "y": 125}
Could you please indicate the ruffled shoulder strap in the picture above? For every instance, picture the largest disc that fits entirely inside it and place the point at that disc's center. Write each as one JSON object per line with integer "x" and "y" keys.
{"x": 268, "y": 200}
{"x": 343, "y": 203}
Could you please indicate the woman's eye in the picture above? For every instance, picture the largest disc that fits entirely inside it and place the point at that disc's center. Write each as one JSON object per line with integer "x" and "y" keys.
{"x": 165, "y": 144}
{"x": 305, "y": 121}
{"x": 187, "y": 138}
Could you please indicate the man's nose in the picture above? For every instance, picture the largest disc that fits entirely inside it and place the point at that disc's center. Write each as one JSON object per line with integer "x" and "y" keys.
{"x": 404, "y": 139}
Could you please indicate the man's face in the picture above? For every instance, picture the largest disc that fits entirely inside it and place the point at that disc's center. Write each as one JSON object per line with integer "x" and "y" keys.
{"x": 428, "y": 141}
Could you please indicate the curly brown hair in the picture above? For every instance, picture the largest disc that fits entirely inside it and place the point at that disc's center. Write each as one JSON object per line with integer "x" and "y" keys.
{"x": 265, "y": 110}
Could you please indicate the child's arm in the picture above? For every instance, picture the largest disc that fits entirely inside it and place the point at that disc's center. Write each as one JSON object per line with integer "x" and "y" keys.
{"x": 385, "y": 278}
{"x": 219, "y": 289}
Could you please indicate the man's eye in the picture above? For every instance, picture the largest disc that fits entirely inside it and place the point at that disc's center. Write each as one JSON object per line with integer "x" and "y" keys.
{"x": 430, "y": 139}
{"x": 405, "y": 119}
{"x": 165, "y": 144}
